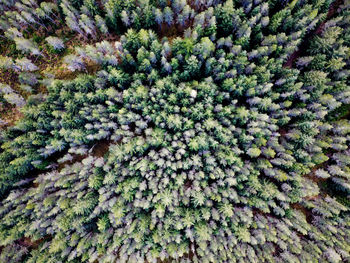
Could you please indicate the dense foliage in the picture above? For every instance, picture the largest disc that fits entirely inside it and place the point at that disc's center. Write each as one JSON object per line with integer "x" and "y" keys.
{"x": 187, "y": 131}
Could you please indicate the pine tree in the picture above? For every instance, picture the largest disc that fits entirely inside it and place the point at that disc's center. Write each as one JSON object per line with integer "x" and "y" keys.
{"x": 27, "y": 46}
{"x": 55, "y": 42}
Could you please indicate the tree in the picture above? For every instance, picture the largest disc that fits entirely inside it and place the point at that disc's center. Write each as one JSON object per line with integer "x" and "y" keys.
{"x": 28, "y": 78}
{"x": 14, "y": 98}
{"x": 27, "y": 46}
{"x": 25, "y": 64}
{"x": 158, "y": 16}
{"x": 101, "y": 24}
{"x": 6, "y": 63}
{"x": 88, "y": 25}
{"x": 74, "y": 63}
{"x": 55, "y": 42}
{"x": 125, "y": 18}
{"x": 253, "y": 152}
{"x": 168, "y": 15}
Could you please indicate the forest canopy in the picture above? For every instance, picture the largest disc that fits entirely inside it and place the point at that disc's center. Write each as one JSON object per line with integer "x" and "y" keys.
{"x": 175, "y": 131}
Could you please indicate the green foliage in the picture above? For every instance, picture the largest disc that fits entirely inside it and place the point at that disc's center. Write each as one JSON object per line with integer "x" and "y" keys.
{"x": 186, "y": 131}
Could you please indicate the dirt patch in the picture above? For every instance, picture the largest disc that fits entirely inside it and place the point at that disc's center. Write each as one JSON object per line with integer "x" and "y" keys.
{"x": 63, "y": 73}
{"x": 10, "y": 117}
{"x": 292, "y": 58}
{"x": 188, "y": 184}
{"x": 312, "y": 176}
{"x": 305, "y": 211}
{"x": 101, "y": 148}
{"x": 76, "y": 158}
